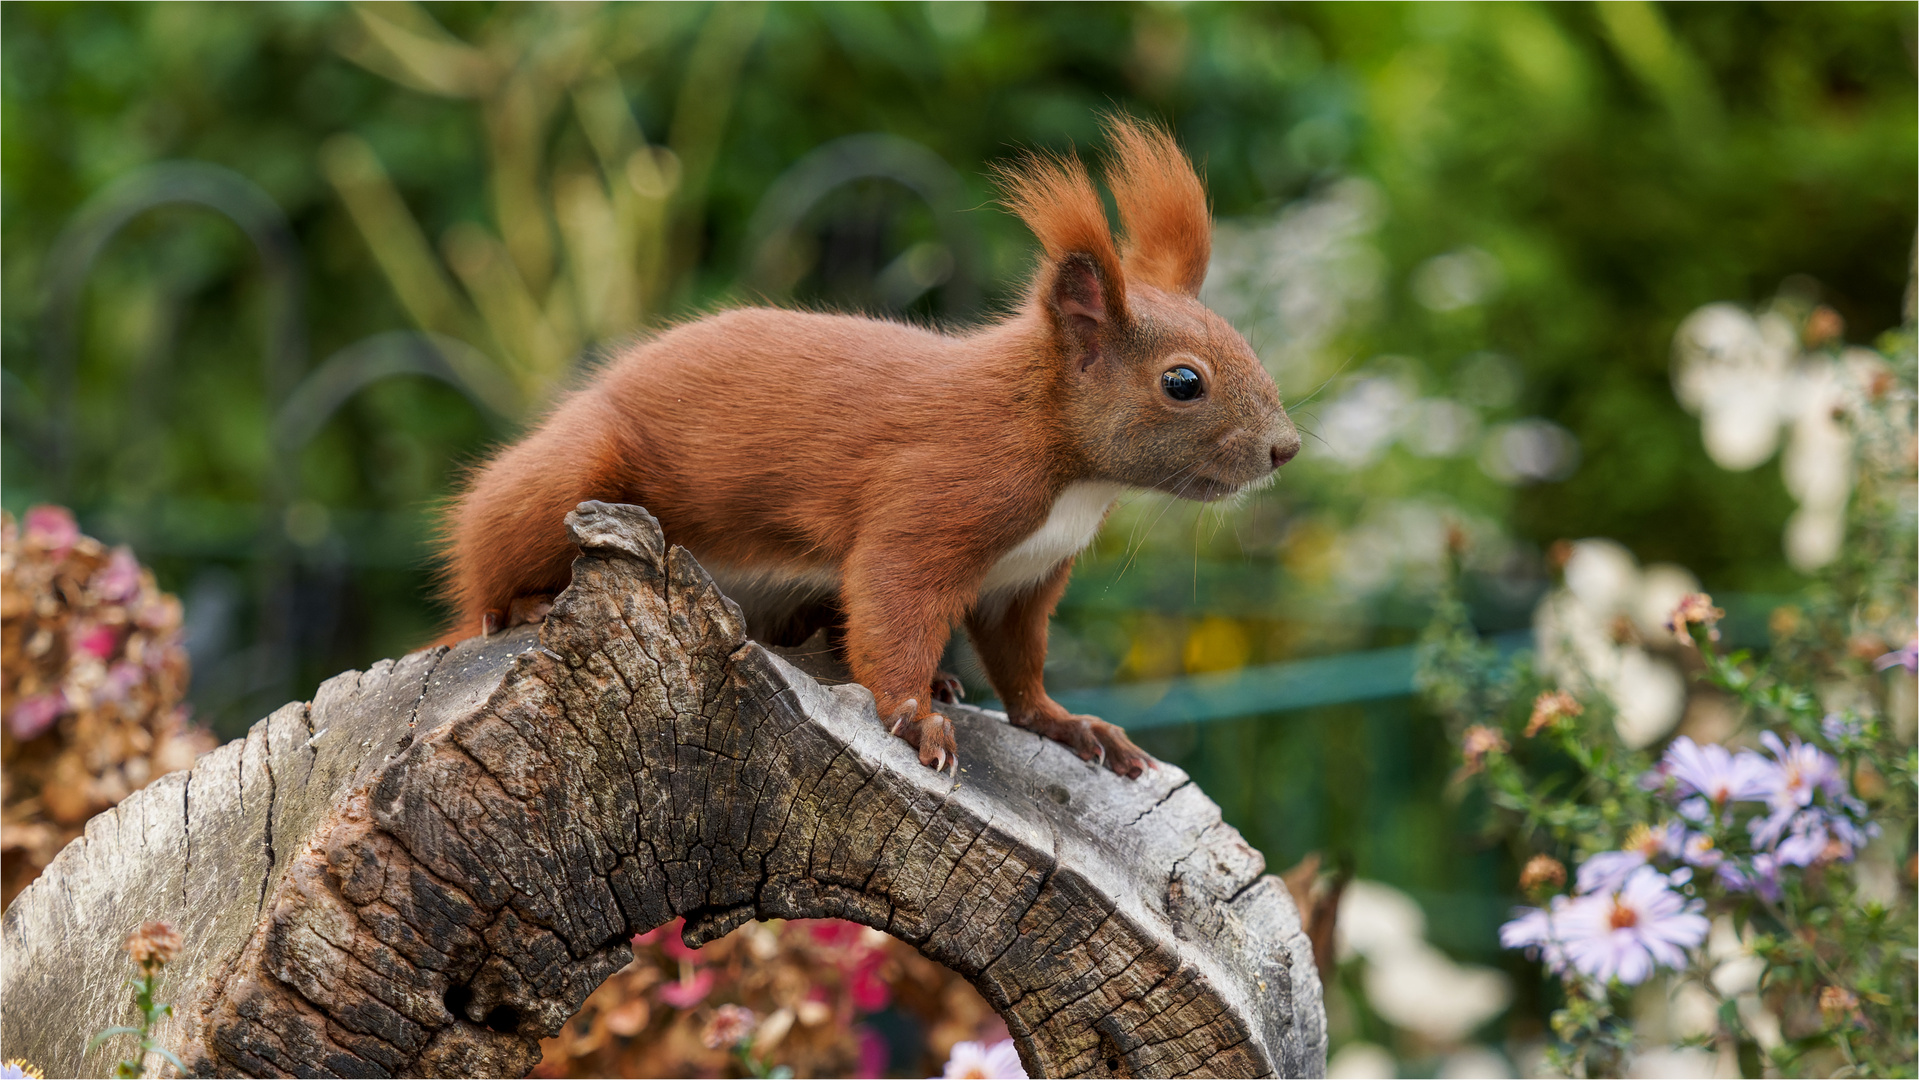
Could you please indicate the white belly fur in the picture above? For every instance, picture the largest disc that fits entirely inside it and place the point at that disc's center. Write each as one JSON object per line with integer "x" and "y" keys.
{"x": 1075, "y": 519}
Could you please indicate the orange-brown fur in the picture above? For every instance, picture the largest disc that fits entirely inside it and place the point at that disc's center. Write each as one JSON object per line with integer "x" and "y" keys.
{"x": 887, "y": 468}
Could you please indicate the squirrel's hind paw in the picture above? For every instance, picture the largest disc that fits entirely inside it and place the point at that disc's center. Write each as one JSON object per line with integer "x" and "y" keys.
{"x": 946, "y": 688}
{"x": 1092, "y": 739}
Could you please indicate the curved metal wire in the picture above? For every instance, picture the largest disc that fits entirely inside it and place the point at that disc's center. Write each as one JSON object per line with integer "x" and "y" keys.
{"x": 298, "y": 592}
{"x": 363, "y": 363}
{"x": 102, "y": 217}
{"x": 871, "y": 156}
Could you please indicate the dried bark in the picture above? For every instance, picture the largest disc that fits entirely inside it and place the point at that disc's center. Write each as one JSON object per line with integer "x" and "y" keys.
{"x": 428, "y": 867}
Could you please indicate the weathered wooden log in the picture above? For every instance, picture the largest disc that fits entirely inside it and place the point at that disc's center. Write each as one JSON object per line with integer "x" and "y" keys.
{"x": 426, "y": 869}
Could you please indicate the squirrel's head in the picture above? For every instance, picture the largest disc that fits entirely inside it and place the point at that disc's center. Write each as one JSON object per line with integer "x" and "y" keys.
{"x": 1156, "y": 390}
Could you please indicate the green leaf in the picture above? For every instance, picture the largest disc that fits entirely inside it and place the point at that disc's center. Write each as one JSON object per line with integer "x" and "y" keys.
{"x": 110, "y": 1033}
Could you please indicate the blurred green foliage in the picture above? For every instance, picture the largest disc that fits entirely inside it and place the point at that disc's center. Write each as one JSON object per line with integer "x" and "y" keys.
{"x": 542, "y": 181}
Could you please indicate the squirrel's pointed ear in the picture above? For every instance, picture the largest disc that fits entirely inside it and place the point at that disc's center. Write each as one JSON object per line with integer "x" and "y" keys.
{"x": 1162, "y": 207}
{"x": 1083, "y": 303}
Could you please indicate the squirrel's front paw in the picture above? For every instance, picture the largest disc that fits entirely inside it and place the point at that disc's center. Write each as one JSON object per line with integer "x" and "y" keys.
{"x": 1090, "y": 737}
{"x": 929, "y": 733}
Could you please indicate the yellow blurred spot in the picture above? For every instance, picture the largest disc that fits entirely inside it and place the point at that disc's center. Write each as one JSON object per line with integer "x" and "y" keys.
{"x": 1154, "y": 652}
{"x": 1310, "y": 553}
{"x": 1216, "y": 644}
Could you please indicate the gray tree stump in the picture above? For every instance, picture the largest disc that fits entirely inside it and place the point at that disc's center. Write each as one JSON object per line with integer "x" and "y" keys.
{"x": 426, "y": 869}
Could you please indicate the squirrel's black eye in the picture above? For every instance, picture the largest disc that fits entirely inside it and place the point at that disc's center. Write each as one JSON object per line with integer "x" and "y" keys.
{"x": 1181, "y": 384}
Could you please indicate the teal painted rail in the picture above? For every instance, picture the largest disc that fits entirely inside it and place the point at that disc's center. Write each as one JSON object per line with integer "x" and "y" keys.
{"x": 1268, "y": 688}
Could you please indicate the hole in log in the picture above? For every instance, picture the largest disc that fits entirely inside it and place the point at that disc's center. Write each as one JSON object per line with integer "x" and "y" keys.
{"x": 1110, "y": 1049}
{"x": 829, "y": 998}
{"x": 504, "y": 1019}
{"x": 457, "y": 999}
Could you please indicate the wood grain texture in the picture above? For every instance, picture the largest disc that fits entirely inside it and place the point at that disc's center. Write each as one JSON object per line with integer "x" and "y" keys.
{"x": 426, "y": 869}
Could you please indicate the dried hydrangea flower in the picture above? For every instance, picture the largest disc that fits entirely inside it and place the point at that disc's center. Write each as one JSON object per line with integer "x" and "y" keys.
{"x": 93, "y": 673}
{"x": 1479, "y": 741}
{"x": 1840, "y": 1006}
{"x": 730, "y": 1026}
{"x": 155, "y": 942}
{"x": 1551, "y": 707}
{"x": 1694, "y": 608}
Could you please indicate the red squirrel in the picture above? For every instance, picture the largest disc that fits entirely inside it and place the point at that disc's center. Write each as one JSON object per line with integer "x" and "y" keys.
{"x": 902, "y": 478}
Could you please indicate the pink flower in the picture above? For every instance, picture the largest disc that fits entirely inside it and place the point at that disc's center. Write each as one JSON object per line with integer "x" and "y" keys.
{"x": 97, "y": 641}
{"x": 119, "y": 580}
{"x": 864, "y": 985}
{"x": 52, "y": 529}
{"x": 689, "y": 990}
{"x": 675, "y": 946}
{"x": 836, "y": 933}
{"x": 1629, "y": 934}
{"x": 875, "y": 1055}
{"x": 978, "y": 1061}
{"x": 36, "y": 714}
{"x": 120, "y": 681}
{"x": 668, "y": 938}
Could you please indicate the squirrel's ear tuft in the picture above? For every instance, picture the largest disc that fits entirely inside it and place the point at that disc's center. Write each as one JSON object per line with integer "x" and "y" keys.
{"x": 1162, "y": 207}
{"x": 1056, "y": 199}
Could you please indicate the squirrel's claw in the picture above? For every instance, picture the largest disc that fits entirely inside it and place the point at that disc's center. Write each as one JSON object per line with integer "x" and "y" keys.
{"x": 931, "y": 735}
{"x": 904, "y": 713}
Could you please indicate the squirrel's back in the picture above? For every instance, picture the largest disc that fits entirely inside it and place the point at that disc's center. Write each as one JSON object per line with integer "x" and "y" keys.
{"x": 754, "y": 435}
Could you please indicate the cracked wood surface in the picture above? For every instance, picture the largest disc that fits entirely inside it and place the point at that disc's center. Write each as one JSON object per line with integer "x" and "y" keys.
{"x": 426, "y": 869}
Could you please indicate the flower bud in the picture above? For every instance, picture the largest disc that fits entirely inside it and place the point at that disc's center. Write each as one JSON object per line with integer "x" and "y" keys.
{"x": 1543, "y": 873}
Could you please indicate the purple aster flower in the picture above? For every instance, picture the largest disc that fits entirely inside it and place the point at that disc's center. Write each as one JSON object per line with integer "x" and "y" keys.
{"x": 1532, "y": 929}
{"x": 1814, "y": 818}
{"x": 1762, "y": 877}
{"x": 1608, "y": 870}
{"x": 1907, "y": 658}
{"x": 1803, "y": 771}
{"x": 1841, "y": 727}
{"x": 1700, "y": 851}
{"x": 1696, "y": 810}
{"x": 1713, "y": 773}
{"x": 1628, "y": 934}
{"x": 1813, "y": 834}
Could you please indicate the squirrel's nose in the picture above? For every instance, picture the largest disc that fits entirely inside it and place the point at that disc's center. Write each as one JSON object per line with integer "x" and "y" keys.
{"x": 1285, "y": 445}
